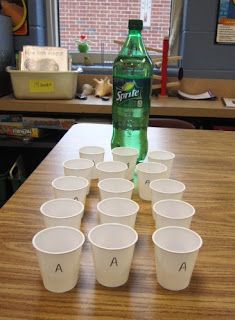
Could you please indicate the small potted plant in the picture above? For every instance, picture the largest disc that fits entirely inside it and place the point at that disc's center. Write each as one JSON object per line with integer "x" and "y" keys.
{"x": 82, "y": 44}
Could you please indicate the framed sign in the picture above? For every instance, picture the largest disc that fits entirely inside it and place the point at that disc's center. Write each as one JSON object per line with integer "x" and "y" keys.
{"x": 225, "y": 33}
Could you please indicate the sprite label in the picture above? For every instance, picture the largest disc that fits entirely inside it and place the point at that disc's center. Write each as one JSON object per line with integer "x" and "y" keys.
{"x": 131, "y": 93}
{"x": 131, "y": 101}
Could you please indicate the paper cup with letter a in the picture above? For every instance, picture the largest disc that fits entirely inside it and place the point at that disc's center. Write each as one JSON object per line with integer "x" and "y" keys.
{"x": 113, "y": 248}
{"x": 176, "y": 251}
{"x": 58, "y": 251}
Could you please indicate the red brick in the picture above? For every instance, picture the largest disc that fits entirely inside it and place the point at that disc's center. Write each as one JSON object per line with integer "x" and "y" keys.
{"x": 104, "y": 21}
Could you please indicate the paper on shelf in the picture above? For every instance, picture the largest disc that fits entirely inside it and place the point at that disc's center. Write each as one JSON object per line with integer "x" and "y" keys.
{"x": 229, "y": 102}
{"x": 208, "y": 95}
{"x": 36, "y": 58}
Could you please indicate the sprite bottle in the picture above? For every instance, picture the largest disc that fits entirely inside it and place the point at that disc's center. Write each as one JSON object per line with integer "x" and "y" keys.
{"x": 132, "y": 73}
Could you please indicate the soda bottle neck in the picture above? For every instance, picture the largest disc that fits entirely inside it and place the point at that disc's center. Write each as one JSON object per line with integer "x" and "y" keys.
{"x": 134, "y": 32}
{"x": 133, "y": 45}
{"x": 135, "y": 36}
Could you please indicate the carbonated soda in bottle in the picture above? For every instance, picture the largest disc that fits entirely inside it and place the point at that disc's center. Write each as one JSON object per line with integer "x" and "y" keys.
{"x": 132, "y": 76}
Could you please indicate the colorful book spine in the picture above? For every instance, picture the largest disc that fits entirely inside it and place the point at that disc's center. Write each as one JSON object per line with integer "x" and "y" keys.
{"x": 48, "y": 123}
{"x": 10, "y": 118}
{"x": 21, "y": 131}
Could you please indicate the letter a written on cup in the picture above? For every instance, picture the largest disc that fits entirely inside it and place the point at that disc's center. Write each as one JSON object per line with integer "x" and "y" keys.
{"x": 58, "y": 268}
{"x": 114, "y": 262}
{"x": 182, "y": 267}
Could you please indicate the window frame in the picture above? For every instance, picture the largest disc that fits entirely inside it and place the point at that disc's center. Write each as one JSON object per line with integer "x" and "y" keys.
{"x": 104, "y": 60}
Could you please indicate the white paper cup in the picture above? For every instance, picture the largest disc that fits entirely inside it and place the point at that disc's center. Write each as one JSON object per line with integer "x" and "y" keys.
{"x": 164, "y": 157}
{"x": 176, "y": 251}
{"x": 171, "y": 212}
{"x": 62, "y": 212}
{"x": 147, "y": 172}
{"x": 118, "y": 210}
{"x": 58, "y": 251}
{"x": 79, "y": 168}
{"x": 115, "y": 187}
{"x": 112, "y": 247}
{"x": 70, "y": 187}
{"x": 166, "y": 189}
{"x": 128, "y": 156}
{"x": 111, "y": 169}
{"x": 93, "y": 153}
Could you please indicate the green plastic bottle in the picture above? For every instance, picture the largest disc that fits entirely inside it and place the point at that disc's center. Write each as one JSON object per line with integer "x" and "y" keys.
{"x": 132, "y": 77}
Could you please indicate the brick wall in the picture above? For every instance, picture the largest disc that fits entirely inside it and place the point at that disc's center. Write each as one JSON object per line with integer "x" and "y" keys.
{"x": 107, "y": 20}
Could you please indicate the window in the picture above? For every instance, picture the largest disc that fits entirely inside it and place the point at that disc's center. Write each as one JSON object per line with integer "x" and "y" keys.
{"x": 107, "y": 20}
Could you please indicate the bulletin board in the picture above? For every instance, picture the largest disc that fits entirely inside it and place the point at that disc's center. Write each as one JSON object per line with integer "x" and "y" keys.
{"x": 225, "y": 32}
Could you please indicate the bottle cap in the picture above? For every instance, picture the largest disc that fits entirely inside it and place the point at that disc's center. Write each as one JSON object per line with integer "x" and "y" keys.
{"x": 135, "y": 24}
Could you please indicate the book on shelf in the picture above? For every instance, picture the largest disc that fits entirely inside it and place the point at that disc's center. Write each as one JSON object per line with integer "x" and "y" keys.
{"x": 16, "y": 124}
{"x": 20, "y": 131}
{"x": 38, "y": 58}
{"x": 48, "y": 123}
{"x": 10, "y": 118}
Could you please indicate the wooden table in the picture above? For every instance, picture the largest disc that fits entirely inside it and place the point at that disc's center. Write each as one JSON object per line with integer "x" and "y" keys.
{"x": 205, "y": 162}
{"x": 159, "y": 107}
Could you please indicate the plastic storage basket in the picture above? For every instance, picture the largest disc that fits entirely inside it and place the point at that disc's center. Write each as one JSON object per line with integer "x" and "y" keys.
{"x": 43, "y": 84}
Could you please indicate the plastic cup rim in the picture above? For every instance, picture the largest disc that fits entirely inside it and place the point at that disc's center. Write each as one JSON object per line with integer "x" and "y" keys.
{"x": 120, "y": 198}
{"x": 109, "y": 171}
{"x": 179, "y": 251}
{"x": 135, "y": 151}
{"x": 64, "y": 217}
{"x": 174, "y": 200}
{"x": 151, "y": 162}
{"x": 69, "y": 189}
{"x": 102, "y": 150}
{"x": 131, "y": 185}
{"x": 62, "y": 252}
{"x": 83, "y": 159}
{"x": 113, "y": 249}
{"x": 164, "y": 192}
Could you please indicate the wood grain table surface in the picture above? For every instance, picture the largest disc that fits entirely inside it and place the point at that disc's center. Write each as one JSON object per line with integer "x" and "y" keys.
{"x": 205, "y": 162}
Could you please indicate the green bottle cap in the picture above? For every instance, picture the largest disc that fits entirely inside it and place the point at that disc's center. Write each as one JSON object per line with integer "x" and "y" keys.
{"x": 135, "y": 25}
